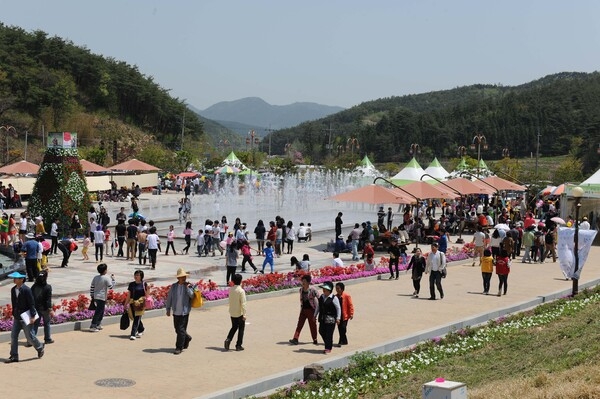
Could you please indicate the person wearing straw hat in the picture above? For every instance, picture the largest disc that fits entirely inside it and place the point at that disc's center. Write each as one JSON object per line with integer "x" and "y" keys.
{"x": 23, "y": 305}
{"x": 179, "y": 299}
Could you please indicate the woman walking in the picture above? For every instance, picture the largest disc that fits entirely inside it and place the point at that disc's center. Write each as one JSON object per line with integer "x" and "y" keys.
{"x": 260, "y": 231}
{"x": 170, "y": 240}
{"x": 187, "y": 236}
{"x": 247, "y": 257}
{"x": 309, "y": 305}
{"x": 135, "y": 299}
{"x": 417, "y": 264}
{"x": 290, "y": 236}
{"x": 502, "y": 270}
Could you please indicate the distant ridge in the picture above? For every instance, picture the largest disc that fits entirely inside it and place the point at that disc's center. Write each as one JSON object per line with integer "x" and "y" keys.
{"x": 254, "y": 111}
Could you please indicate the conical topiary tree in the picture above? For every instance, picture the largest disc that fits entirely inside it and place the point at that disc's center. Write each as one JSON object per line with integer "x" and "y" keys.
{"x": 60, "y": 189}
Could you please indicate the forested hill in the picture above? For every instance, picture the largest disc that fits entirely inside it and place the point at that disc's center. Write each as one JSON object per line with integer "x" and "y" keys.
{"x": 49, "y": 81}
{"x": 559, "y": 107}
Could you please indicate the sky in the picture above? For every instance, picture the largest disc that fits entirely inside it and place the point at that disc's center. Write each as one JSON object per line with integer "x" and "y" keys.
{"x": 332, "y": 52}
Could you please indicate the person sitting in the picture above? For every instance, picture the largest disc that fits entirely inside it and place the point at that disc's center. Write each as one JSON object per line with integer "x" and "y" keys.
{"x": 302, "y": 237}
{"x": 340, "y": 244}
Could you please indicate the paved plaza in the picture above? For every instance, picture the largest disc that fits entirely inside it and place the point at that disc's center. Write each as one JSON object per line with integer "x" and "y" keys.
{"x": 76, "y": 363}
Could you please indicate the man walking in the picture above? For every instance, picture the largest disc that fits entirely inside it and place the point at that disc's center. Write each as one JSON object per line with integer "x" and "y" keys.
{"x": 436, "y": 264}
{"x": 31, "y": 249}
{"x": 237, "y": 312}
{"x": 347, "y": 312}
{"x": 99, "y": 291}
{"x": 338, "y": 225}
{"x": 179, "y": 299}
{"x": 24, "y": 315}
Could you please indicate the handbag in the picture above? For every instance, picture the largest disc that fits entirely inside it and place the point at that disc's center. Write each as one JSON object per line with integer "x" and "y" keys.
{"x": 197, "y": 300}
{"x": 444, "y": 272}
{"x": 148, "y": 300}
{"x": 124, "y": 323}
{"x": 92, "y": 305}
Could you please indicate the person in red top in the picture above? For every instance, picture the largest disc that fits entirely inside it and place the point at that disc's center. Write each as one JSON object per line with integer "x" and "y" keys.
{"x": 347, "y": 312}
{"x": 529, "y": 220}
{"x": 272, "y": 233}
{"x": 502, "y": 270}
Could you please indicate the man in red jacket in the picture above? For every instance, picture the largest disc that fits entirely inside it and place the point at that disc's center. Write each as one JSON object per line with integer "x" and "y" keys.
{"x": 347, "y": 312}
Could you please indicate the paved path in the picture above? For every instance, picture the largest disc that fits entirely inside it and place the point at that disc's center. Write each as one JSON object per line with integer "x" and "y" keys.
{"x": 385, "y": 311}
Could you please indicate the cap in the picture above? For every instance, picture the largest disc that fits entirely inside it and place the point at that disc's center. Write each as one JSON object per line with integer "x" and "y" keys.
{"x": 327, "y": 285}
{"x": 17, "y": 274}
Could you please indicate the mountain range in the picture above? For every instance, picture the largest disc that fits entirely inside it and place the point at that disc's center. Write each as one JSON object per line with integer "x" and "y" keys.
{"x": 253, "y": 113}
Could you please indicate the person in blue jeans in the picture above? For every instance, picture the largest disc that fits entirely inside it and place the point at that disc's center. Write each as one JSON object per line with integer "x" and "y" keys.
{"x": 22, "y": 301}
{"x": 98, "y": 292}
{"x": 268, "y": 251}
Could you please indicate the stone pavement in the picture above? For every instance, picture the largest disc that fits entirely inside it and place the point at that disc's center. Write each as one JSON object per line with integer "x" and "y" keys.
{"x": 386, "y": 316}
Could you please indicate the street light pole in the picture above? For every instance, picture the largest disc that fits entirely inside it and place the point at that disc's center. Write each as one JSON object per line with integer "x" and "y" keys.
{"x": 414, "y": 150}
{"x": 478, "y": 140}
{"x": 577, "y": 194}
{"x": 7, "y": 128}
{"x": 352, "y": 142}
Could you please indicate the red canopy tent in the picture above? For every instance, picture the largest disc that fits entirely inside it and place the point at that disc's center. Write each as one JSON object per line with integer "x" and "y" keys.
{"x": 374, "y": 194}
{"x": 90, "y": 167}
{"x": 20, "y": 168}
{"x": 135, "y": 165}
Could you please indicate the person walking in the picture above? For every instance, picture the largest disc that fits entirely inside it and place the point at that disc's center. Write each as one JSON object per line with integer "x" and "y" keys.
{"x": 247, "y": 257}
{"x": 309, "y": 305}
{"x": 132, "y": 231}
{"x": 527, "y": 242}
{"x": 42, "y": 296}
{"x": 269, "y": 257}
{"x": 435, "y": 265}
{"x": 99, "y": 242}
{"x": 142, "y": 242}
{"x": 390, "y": 218}
{"x": 179, "y": 299}
{"x": 329, "y": 314}
{"x": 478, "y": 240}
{"x": 54, "y": 236}
{"x": 187, "y": 236}
{"x": 487, "y": 268}
{"x": 135, "y": 300}
{"x": 99, "y": 292}
{"x": 121, "y": 234}
{"x": 290, "y": 236}
{"x": 417, "y": 264}
{"x": 394, "y": 252}
{"x": 347, "y": 312}
{"x": 502, "y": 270}
{"x": 355, "y": 237}
{"x": 153, "y": 243}
{"x": 171, "y": 240}
{"x": 31, "y": 250}
{"x": 260, "y": 233}
{"x": 237, "y": 313}
{"x": 22, "y": 301}
{"x": 231, "y": 259}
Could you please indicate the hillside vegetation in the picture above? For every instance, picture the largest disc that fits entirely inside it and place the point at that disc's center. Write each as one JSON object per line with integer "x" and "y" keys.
{"x": 562, "y": 109}
{"x": 48, "y": 83}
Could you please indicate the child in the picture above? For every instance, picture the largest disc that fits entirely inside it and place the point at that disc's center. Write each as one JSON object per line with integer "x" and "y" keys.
{"x": 247, "y": 257}
{"x": 170, "y": 240}
{"x": 278, "y": 241}
{"x": 200, "y": 242}
{"x": 502, "y": 270}
{"x": 369, "y": 254}
{"x": 107, "y": 243}
{"x": 309, "y": 232}
{"x": 268, "y": 252}
{"x": 487, "y": 267}
{"x": 86, "y": 245}
{"x": 403, "y": 252}
{"x": 187, "y": 235}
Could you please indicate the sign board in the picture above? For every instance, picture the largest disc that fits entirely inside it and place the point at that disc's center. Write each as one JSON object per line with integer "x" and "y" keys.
{"x": 62, "y": 140}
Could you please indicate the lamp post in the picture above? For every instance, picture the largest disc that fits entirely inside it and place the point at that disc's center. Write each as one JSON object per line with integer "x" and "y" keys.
{"x": 505, "y": 153}
{"x": 7, "y": 128}
{"x": 462, "y": 151}
{"x": 414, "y": 150}
{"x": 287, "y": 149}
{"x": 340, "y": 149}
{"x": 577, "y": 194}
{"x": 252, "y": 140}
{"x": 352, "y": 142}
{"x": 478, "y": 140}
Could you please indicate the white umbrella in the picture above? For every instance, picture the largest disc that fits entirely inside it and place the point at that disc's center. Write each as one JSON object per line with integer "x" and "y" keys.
{"x": 502, "y": 226}
{"x": 558, "y": 220}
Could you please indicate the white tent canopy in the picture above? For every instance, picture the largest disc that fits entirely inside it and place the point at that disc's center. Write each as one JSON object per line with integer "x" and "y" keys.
{"x": 436, "y": 170}
{"x": 411, "y": 172}
{"x": 367, "y": 169}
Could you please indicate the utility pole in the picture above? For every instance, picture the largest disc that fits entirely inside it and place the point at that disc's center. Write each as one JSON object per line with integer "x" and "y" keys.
{"x": 330, "y": 131}
{"x": 270, "y": 134}
{"x": 182, "y": 128}
{"x": 537, "y": 152}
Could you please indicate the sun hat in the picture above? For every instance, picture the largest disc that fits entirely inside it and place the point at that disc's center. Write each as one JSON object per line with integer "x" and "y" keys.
{"x": 328, "y": 285}
{"x": 17, "y": 274}
{"x": 181, "y": 273}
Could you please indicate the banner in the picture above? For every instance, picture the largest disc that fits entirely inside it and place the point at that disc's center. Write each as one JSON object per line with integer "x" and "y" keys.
{"x": 62, "y": 140}
{"x": 566, "y": 250}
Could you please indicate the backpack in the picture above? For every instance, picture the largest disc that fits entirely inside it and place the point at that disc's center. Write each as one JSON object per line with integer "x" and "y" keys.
{"x": 539, "y": 241}
{"x": 549, "y": 238}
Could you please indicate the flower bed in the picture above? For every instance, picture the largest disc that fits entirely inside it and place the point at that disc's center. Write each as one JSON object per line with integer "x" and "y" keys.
{"x": 76, "y": 309}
